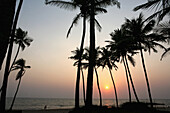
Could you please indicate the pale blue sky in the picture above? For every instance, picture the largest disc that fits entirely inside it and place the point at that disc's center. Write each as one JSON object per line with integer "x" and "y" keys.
{"x": 52, "y": 73}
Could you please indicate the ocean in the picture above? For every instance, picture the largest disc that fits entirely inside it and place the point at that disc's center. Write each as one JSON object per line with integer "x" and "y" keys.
{"x": 59, "y": 103}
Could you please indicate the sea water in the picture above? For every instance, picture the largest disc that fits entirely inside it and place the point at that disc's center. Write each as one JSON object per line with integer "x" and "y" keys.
{"x": 61, "y": 103}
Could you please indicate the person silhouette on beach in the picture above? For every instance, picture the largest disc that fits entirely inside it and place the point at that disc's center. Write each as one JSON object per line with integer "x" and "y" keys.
{"x": 45, "y": 107}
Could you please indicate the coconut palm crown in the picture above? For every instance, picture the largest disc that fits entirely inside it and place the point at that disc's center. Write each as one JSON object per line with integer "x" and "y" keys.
{"x": 161, "y": 7}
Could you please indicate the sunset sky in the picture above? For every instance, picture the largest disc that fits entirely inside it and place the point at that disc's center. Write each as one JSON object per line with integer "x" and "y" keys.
{"x": 52, "y": 74}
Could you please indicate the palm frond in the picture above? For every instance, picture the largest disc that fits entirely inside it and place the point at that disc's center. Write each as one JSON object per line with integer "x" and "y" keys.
{"x": 22, "y": 46}
{"x": 75, "y": 21}
{"x": 165, "y": 11}
{"x": 62, "y": 4}
{"x": 28, "y": 41}
{"x": 105, "y": 3}
{"x": 150, "y": 4}
{"x": 156, "y": 14}
{"x": 98, "y": 26}
{"x": 27, "y": 66}
{"x": 132, "y": 60}
{"x": 20, "y": 74}
{"x": 20, "y": 62}
{"x": 149, "y": 26}
{"x": 100, "y": 10}
{"x": 165, "y": 53}
{"x": 163, "y": 28}
{"x": 15, "y": 68}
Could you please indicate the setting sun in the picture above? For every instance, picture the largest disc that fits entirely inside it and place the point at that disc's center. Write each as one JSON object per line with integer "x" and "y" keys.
{"x": 107, "y": 87}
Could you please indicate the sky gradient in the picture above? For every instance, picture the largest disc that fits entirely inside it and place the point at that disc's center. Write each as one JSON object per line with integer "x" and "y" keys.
{"x": 52, "y": 74}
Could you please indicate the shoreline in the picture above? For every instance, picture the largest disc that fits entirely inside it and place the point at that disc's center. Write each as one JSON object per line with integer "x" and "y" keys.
{"x": 47, "y": 111}
{"x": 42, "y": 111}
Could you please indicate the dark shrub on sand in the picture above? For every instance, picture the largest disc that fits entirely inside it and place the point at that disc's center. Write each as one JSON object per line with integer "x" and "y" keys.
{"x": 135, "y": 106}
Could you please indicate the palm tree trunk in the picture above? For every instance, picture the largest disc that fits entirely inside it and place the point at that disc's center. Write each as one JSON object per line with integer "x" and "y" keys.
{"x": 5, "y": 80}
{"x": 146, "y": 77}
{"x": 79, "y": 64}
{"x": 15, "y": 95}
{"x": 7, "y": 11}
{"x": 13, "y": 62}
{"x": 91, "y": 57}
{"x": 130, "y": 99}
{"x": 133, "y": 87}
{"x": 83, "y": 86}
{"x": 114, "y": 88}
{"x": 15, "y": 58}
{"x": 100, "y": 95}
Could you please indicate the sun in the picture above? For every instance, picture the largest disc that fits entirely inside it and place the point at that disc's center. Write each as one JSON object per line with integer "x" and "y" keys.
{"x": 106, "y": 87}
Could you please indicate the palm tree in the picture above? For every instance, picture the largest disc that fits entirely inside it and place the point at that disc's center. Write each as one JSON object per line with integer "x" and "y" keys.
{"x": 93, "y": 3}
{"x": 19, "y": 65}
{"x": 164, "y": 29}
{"x": 162, "y": 8}
{"x": 7, "y": 11}
{"x": 86, "y": 8}
{"x": 121, "y": 45}
{"x": 97, "y": 65}
{"x": 22, "y": 40}
{"x": 144, "y": 39}
{"x": 84, "y": 13}
{"x": 76, "y": 58}
{"x": 6, "y": 73}
{"x": 108, "y": 60}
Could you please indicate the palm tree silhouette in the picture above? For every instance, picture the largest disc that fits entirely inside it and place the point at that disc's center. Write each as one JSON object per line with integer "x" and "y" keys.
{"x": 97, "y": 65}
{"x": 88, "y": 8}
{"x": 121, "y": 45}
{"x": 164, "y": 29}
{"x": 22, "y": 39}
{"x": 76, "y": 58}
{"x": 19, "y": 65}
{"x": 162, "y": 8}
{"x": 93, "y": 3}
{"x": 144, "y": 39}
{"x": 84, "y": 13}
{"x": 107, "y": 60}
{"x": 6, "y": 73}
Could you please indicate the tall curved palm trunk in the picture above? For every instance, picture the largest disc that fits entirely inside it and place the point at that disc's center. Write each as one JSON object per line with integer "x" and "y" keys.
{"x": 7, "y": 11}
{"x": 100, "y": 95}
{"x": 89, "y": 89}
{"x": 15, "y": 58}
{"x": 5, "y": 80}
{"x": 114, "y": 88}
{"x": 12, "y": 104}
{"x": 13, "y": 63}
{"x": 79, "y": 64}
{"x": 130, "y": 99}
{"x": 84, "y": 98}
{"x": 133, "y": 87}
{"x": 146, "y": 77}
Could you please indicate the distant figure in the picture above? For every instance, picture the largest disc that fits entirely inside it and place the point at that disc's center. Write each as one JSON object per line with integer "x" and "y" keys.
{"x": 45, "y": 107}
